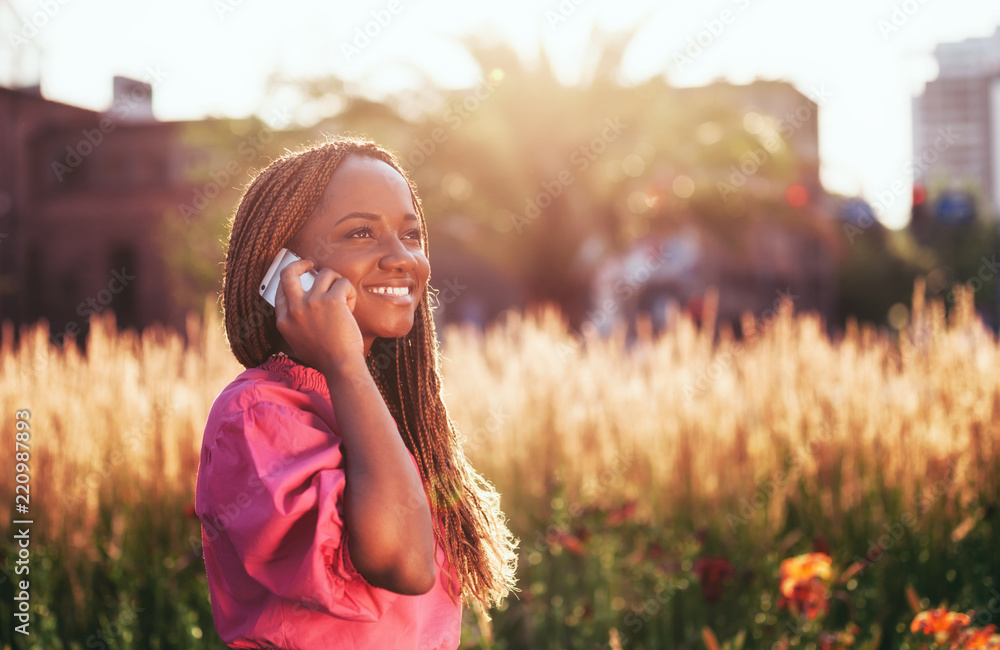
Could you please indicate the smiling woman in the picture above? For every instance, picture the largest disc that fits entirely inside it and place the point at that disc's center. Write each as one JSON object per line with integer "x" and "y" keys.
{"x": 336, "y": 504}
{"x": 373, "y": 239}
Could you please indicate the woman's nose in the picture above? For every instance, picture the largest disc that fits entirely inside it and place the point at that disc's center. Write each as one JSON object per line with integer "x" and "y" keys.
{"x": 395, "y": 254}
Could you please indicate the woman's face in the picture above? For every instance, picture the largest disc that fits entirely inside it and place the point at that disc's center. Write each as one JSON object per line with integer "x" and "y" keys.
{"x": 365, "y": 229}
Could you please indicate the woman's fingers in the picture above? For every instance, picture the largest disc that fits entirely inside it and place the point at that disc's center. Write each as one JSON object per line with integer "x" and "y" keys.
{"x": 324, "y": 279}
{"x": 289, "y": 286}
{"x": 327, "y": 284}
{"x": 331, "y": 285}
{"x": 343, "y": 289}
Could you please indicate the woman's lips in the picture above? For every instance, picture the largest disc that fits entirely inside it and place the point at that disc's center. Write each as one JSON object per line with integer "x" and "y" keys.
{"x": 395, "y": 295}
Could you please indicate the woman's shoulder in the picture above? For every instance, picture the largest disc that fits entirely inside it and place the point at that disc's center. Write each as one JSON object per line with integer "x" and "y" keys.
{"x": 278, "y": 384}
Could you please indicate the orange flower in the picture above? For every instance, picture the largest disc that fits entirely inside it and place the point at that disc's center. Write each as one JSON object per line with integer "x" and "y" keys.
{"x": 803, "y": 568}
{"x": 940, "y": 623}
{"x": 986, "y": 638}
{"x": 803, "y": 583}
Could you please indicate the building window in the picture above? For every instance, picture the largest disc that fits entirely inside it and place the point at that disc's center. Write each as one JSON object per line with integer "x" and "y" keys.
{"x": 123, "y": 262}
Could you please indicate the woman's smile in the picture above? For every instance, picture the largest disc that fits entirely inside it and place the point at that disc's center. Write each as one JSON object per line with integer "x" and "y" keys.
{"x": 395, "y": 293}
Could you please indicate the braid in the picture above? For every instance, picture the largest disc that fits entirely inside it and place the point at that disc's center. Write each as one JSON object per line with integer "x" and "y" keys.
{"x": 465, "y": 507}
{"x": 275, "y": 206}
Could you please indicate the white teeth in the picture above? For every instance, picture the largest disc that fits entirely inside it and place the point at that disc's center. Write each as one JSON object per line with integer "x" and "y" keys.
{"x": 392, "y": 291}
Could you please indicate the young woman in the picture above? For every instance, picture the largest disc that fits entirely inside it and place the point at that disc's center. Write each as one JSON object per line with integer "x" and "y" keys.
{"x": 337, "y": 507}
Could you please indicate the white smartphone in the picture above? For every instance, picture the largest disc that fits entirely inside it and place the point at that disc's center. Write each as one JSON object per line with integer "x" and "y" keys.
{"x": 269, "y": 285}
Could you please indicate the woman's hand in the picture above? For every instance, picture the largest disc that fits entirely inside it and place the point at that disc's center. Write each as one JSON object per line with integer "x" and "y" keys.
{"x": 319, "y": 324}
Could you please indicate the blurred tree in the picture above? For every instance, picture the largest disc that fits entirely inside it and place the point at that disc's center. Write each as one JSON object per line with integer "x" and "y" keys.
{"x": 964, "y": 250}
{"x": 878, "y": 273}
{"x": 219, "y": 158}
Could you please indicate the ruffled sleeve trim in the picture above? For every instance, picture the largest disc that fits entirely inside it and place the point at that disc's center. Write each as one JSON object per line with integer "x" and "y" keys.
{"x": 302, "y": 377}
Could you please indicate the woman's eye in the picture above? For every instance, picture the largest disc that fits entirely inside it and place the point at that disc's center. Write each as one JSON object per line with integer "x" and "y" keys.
{"x": 362, "y": 231}
{"x": 367, "y": 232}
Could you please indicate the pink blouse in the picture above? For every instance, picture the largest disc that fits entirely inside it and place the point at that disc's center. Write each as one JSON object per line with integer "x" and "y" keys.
{"x": 270, "y": 497}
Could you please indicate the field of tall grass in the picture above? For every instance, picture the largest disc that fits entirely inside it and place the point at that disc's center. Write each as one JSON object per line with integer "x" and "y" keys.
{"x": 662, "y": 488}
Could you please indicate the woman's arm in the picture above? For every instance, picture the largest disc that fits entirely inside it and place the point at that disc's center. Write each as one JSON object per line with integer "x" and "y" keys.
{"x": 386, "y": 510}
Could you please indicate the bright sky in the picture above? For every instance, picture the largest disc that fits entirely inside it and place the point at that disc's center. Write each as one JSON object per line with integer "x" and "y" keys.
{"x": 212, "y": 57}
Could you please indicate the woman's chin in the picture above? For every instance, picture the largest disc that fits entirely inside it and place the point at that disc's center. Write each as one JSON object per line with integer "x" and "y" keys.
{"x": 394, "y": 330}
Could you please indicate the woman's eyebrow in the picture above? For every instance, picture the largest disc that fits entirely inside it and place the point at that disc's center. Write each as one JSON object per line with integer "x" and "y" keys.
{"x": 371, "y": 217}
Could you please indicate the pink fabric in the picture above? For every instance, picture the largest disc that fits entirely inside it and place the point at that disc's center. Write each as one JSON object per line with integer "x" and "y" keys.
{"x": 270, "y": 499}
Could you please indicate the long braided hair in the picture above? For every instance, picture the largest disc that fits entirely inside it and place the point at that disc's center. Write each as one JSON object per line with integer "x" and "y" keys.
{"x": 465, "y": 507}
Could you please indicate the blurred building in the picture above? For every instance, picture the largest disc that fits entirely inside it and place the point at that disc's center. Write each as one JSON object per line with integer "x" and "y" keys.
{"x": 757, "y": 260}
{"x": 470, "y": 290}
{"x": 665, "y": 273}
{"x": 956, "y": 121}
{"x": 777, "y": 106}
{"x": 82, "y": 196}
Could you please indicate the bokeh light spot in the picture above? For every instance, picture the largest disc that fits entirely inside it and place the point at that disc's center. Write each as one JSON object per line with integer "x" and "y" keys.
{"x": 683, "y": 186}
{"x": 753, "y": 122}
{"x": 796, "y": 195}
{"x": 708, "y": 133}
{"x": 456, "y": 186}
{"x": 633, "y": 165}
{"x": 637, "y": 202}
{"x": 898, "y": 316}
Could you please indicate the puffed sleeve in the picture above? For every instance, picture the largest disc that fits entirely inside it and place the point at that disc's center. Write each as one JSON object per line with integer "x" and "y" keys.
{"x": 276, "y": 486}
